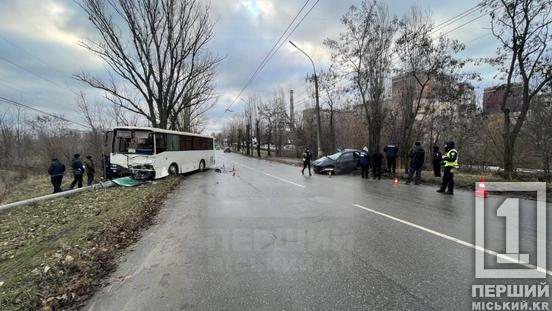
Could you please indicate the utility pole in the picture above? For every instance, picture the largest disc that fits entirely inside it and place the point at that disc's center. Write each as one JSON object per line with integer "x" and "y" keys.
{"x": 318, "y": 123}
{"x": 291, "y": 112}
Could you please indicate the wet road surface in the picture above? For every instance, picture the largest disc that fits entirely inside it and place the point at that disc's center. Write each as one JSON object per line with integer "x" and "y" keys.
{"x": 269, "y": 238}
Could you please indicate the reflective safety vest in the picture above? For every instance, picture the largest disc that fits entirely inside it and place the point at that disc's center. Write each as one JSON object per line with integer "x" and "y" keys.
{"x": 448, "y": 156}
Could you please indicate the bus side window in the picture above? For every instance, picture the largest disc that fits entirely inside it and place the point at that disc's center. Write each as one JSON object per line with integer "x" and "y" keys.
{"x": 160, "y": 143}
{"x": 185, "y": 143}
{"x": 173, "y": 142}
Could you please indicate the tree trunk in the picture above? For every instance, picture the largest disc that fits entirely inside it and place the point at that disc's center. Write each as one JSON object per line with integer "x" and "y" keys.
{"x": 258, "y": 138}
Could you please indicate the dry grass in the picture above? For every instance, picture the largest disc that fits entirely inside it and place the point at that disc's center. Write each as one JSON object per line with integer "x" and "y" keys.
{"x": 55, "y": 253}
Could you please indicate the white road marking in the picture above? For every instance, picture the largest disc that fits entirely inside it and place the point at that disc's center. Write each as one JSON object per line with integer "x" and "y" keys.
{"x": 267, "y": 174}
{"x": 284, "y": 180}
{"x": 450, "y": 238}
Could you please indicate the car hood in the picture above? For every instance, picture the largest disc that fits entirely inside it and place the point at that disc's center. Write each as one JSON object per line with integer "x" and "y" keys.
{"x": 323, "y": 161}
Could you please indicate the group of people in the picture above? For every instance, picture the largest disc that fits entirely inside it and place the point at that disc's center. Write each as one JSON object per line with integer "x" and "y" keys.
{"x": 79, "y": 168}
{"x": 447, "y": 161}
{"x": 374, "y": 161}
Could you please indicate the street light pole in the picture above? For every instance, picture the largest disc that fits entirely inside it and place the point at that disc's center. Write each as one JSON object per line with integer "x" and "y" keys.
{"x": 318, "y": 123}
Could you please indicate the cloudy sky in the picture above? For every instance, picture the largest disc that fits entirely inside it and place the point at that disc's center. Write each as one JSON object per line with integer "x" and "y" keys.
{"x": 39, "y": 51}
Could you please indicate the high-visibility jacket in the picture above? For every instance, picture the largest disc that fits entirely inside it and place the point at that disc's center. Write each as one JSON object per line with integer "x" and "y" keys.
{"x": 451, "y": 158}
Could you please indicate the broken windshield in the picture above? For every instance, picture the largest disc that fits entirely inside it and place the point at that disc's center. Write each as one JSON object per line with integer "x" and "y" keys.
{"x": 138, "y": 142}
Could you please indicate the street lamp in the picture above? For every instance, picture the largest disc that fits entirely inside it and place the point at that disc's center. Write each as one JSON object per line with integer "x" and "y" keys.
{"x": 318, "y": 124}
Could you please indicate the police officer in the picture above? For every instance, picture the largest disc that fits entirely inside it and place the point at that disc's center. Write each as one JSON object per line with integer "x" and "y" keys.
{"x": 391, "y": 152}
{"x": 417, "y": 155}
{"x": 78, "y": 171}
{"x": 90, "y": 169}
{"x": 364, "y": 162}
{"x": 436, "y": 161}
{"x": 56, "y": 172}
{"x": 450, "y": 162}
{"x": 306, "y": 161}
{"x": 377, "y": 159}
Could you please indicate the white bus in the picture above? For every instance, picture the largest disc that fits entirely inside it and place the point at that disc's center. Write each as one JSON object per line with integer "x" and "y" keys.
{"x": 145, "y": 152}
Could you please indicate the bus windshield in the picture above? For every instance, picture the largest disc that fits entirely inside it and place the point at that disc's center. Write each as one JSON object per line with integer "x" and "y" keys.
{"x": 133, "y": 141}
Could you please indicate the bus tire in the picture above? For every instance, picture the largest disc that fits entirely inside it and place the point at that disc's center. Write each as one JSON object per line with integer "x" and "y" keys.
{"x": 173, "y": 169}
{"x": 201, "y": 165}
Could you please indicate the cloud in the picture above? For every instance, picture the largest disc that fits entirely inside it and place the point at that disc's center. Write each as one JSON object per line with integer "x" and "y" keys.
{"x": 41, "y": 37}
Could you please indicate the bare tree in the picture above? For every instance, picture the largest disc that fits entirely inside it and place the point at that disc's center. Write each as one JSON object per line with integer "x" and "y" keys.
{"x": 164, "y": 57}
{"x": 524, "y": 55}
{"x": 422, "y": 59}
{"x": 364, "y": 51}
{"x": 328, "y": 80}
{"x": 539, "y": 133}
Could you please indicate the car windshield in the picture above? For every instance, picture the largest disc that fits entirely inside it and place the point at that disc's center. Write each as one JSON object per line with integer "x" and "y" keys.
{"x": 139, "y": 142}
{"x": 335, "y": 155}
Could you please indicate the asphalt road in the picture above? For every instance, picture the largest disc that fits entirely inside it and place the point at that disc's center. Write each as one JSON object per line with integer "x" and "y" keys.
{"x": 269, "y": 238}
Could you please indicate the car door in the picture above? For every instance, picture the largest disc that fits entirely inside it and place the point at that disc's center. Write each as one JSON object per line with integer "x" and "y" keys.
{"x": 347, "y": 162}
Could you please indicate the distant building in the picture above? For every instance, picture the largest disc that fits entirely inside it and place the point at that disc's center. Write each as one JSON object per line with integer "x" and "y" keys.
{"x": 438, "y": 93}
{"x": 493, "y": 96}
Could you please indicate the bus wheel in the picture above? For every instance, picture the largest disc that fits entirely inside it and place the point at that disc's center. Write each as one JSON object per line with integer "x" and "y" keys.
{"x": 201, "y": 166}
{"x": 173, "y": 169}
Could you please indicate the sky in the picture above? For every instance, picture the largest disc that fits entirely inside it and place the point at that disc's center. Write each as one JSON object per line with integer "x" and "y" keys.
{"x": 39, "y": 49}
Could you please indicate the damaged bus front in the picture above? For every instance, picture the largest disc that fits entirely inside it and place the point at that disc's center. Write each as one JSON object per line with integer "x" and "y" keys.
{"x": 150, "y": 153}
{"x": 133, "y": 154}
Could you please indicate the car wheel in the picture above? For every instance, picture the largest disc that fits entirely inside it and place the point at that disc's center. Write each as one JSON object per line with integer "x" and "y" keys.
{"x": 173, "y": 169}
{"x": 201, "y": 166}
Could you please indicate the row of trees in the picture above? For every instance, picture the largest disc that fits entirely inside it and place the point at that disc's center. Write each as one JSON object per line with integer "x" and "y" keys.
{"x": 431, "y": 100}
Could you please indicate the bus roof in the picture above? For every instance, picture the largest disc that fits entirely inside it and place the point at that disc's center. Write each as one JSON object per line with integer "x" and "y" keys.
{"x": 158, "y": 130}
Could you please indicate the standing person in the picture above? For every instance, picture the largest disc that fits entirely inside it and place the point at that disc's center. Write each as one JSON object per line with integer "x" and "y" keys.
{"x": 78, "y": 171}
{"x": 106, "y": 165}
{"x": 391, "y": 152}
{"x": 306, "y": 161}
{"x": 450, "y": 162}
{"x": 89, "y": 169}
{"x": 436, "y": 161}
{"x": 417, "y": 155}
{"x": 56, "y": 172}
{"x": 377, "y": 161}
{"x": 364, "y": 162}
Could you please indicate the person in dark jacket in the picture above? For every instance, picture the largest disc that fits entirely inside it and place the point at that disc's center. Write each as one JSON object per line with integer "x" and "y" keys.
{"x": 391, "y": 152}
{"x": 450, "y": 162}
{"x": 56, "y": 172}
{"x": 78, "y": 171}
{"x": 306, "y": 161}
{"x": 364, "y": 163}
{"x": 89, "y": 169}
{"x": 436, "y": 161}
{"x": 377, "y": 161}
{"x": 417, "y": 155}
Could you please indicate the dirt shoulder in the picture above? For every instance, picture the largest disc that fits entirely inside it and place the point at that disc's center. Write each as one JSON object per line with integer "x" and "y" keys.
{"x": 54, "y": 254}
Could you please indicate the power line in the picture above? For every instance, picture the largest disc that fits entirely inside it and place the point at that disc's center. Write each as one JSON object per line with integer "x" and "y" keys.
{"x": 34, "y": 74}
{"x": 263, "y": 62}
{"x": 269, "y": 55}
{"x": 21, "y": 105}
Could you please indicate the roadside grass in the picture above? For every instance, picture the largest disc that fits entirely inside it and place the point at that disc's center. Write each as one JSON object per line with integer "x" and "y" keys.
{"x": 21, "y": 187}
{"x": 53, "y": 254}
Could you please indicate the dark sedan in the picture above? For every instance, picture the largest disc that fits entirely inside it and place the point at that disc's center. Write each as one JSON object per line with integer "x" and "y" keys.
{"x": 342, "y": 162}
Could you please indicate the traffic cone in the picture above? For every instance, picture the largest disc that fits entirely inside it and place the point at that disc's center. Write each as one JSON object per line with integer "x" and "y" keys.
{"x": 481, "y": 192}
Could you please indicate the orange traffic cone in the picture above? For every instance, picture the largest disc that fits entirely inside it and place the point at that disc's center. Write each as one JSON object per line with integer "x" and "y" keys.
{"x": 480, "y": 192}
